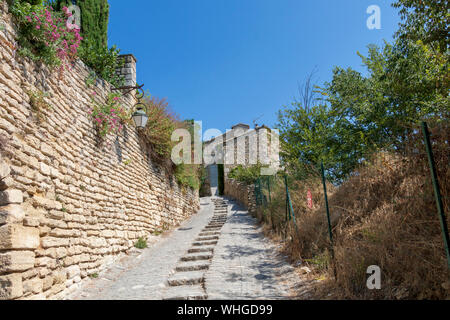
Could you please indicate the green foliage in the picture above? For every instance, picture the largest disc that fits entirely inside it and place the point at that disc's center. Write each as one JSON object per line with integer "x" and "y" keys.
{"x": 43, "y": 35}
{"x": 187, "y": 175}
{"x": 90, "y": 79}
{"x": 103, "y": 61}
{"x": 109, "y": 117}
{"x": 38, "y": 103}
{"x": 425, "y": 20}
{"x": 359, "y": 115}
{"x": 141, "y": 243}
{"x": 94, "y": 49}
{"x": 94, "y": 22}
{"x": 320, "y": 261}
{"x": 248, "y": 174}
{"x": 160, "y": 126}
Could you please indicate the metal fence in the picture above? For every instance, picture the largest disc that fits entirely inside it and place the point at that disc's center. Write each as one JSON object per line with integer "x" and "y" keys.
{"x": 283, "y": 199}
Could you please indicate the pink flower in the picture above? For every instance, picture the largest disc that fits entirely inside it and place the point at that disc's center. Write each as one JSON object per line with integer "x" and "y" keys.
{"x": 116, "y": 98}
{"x": 38, "y": 27}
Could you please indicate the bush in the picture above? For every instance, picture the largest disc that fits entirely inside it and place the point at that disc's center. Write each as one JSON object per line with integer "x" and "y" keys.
{"x": 141, "y": 243}
{"x": 248, "y": 175}
{"x": 384, "y": 214}
{"x": 103, "y": 61}
{"x": 110, "y": 117}
{"x": 94, "y": 20}
{"x": 188, "y": 176}
{"x": 161, "y": 124}
{"x": 44, "y": 35}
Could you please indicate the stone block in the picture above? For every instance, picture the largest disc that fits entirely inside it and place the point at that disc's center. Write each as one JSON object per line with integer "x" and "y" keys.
{"x": 18, "y": 237}
{"x": 73, "y": 271}
{"x": 5, "y": 170}
{"x": 16, "y": 261}
{"x": 11, "y": 286}
{"x": 34, "y": 285}
{"x": 12, "y": 213}
{"x": 11, "y": 197}
{"x": 50, "y": 242}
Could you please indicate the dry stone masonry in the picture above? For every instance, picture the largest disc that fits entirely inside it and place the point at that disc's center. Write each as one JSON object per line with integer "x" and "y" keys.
{"x": 69, "y": 203}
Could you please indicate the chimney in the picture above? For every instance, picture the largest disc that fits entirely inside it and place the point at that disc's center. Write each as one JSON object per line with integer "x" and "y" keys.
{"x": 128, "y": 70}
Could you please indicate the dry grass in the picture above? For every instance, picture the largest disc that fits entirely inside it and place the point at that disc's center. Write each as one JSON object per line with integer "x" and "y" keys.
{"x": 384, "y": 215}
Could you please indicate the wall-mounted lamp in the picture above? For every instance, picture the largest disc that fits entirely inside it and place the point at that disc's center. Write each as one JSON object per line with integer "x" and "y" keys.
{"x": 140, "y": 117}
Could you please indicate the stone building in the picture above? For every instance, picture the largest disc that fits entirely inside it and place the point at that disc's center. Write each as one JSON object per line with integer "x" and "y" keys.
{"x": 242, "y": 146}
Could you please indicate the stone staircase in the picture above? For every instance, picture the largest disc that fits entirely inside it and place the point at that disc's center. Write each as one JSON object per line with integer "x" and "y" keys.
{"x": 188, "y": 281}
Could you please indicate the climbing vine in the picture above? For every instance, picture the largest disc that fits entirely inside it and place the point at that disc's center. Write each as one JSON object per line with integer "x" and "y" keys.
{"x": 109, "y": 117}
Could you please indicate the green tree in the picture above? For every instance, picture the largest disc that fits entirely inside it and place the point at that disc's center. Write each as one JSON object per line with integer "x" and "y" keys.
{"x": 94, "y": 21}
{"x": 425, "y": 20}
{"x": 361, "y": 114}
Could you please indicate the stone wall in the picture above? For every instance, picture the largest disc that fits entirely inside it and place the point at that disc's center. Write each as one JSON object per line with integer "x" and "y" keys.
{"x": 242, "y": 193}
{"x": 69, "y": 204}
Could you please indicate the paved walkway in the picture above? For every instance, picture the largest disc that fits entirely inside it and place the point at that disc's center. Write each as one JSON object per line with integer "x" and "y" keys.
{"x": 220, "y": 253}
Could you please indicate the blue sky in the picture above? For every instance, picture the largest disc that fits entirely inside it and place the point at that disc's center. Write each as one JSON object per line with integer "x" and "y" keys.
{"x": 230, "y": 61}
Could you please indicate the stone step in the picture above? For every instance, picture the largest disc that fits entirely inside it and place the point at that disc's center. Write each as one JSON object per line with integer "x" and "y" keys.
{"x": 197, "y": 256}
{"x": 215, "y": 229}
{"x": 194, "y": 292}
{"x": 186, "y": 278}
{"x": 204, "y": 243}
{"x": 213, "y": 233}
{"x": 201, "y": 249}
{"x": 214, "y": 226}
{"x": 207, "y": 238}
{"x": 192, "y": 266}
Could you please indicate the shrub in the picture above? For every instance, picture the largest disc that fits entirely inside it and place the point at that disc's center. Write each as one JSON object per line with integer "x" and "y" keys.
{"x": 188, "y": 176}
{"x": 38, "y": 103}
{"x": 109, "y": 117}
{"x": 103, "y": 61}
{"x": 161, "y": 124}
{"x": 141, "y": 243}
{"x": 384, "y": 214}
{"x": 246, "y": 174}
{"x": 44, "y": 35}
{"x": 94, "y": 20}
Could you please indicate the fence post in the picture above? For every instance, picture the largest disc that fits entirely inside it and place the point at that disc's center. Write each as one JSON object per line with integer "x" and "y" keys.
{"x": 437, "y": 191}
{"x": 330, "y": 231}
{"x": 288, "y": 208}
{"x": 268, "y": 188}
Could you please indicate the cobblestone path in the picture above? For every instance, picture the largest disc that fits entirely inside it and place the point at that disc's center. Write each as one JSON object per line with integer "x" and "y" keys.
{"x": 220, "y": 253}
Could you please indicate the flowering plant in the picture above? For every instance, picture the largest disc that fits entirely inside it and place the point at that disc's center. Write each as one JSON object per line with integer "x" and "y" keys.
{"x": 45, "y": 35}
{"x": 110, "y": 117}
